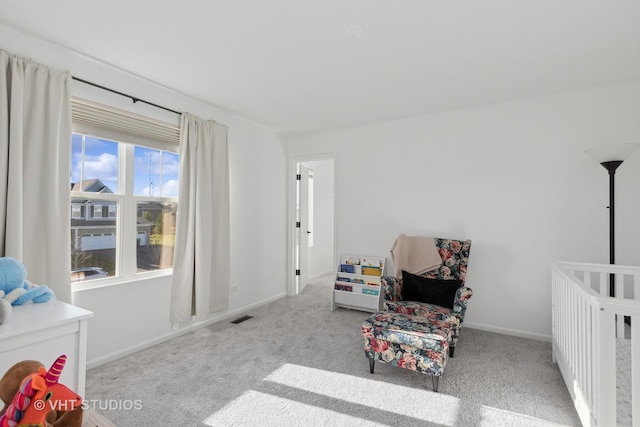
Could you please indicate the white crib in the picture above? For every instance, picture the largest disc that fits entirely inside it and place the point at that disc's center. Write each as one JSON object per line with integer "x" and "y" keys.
{"x": 590, "y": 338}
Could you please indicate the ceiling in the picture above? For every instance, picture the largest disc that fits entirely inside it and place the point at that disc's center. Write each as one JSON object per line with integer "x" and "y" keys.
{"x": 303, "y": 66}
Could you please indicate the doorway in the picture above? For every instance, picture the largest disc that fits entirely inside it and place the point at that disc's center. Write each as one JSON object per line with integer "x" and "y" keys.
{"x": 312, "y": 209}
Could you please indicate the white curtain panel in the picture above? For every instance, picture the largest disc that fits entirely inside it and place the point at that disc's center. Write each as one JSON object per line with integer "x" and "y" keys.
{"x": 200, "y": 283}
{"x": 35, "y": 139}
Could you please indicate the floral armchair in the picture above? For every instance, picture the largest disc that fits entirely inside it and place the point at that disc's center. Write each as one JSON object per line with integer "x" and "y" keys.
{"x": 455, "y": 257}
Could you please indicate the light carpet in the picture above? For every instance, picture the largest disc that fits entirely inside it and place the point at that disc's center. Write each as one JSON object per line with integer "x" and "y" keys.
{"x": 297, "y": 363}
{"x": 623, "y": 381}
{"x": 91, "y": 418}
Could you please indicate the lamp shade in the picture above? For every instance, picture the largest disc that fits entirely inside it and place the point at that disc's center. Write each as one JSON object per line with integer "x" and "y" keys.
{"x": 611, "y": 152}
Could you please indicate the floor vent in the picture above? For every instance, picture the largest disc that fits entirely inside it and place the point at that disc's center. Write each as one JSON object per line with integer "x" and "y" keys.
{"x": 241, "y": 319}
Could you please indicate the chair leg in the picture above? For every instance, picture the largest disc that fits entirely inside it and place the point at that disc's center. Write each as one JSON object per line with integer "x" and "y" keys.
{"x": 451, "y": 349}
{"x": 371, "y": 364}
{"x": 435, "y": 380}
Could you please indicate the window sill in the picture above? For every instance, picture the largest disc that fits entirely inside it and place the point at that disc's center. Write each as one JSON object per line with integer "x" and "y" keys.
{"x": 116, "y": 281}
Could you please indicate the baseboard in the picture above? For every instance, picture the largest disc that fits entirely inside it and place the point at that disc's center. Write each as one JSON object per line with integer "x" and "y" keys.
{"x": 173, "y": 334}
{"x": 507, "y": 331}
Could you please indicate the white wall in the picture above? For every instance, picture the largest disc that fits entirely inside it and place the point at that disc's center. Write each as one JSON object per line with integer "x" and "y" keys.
{"x": 321, "y": 259}
{"x": 512, "y": 177}
{"x": 133, "y": 315}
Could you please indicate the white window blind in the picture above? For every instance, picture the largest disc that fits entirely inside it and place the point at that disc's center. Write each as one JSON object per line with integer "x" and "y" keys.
{"x": 95, "y": 119}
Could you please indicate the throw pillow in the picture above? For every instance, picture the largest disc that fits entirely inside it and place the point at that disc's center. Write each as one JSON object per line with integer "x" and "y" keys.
{"x": 430, "y": 291}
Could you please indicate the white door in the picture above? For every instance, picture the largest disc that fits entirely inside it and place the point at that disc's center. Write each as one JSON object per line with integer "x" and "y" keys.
{"x": 303, "y": 229}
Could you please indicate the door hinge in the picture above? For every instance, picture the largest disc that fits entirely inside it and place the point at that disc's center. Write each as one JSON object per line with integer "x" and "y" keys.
{"x": 297, "y": 272}
{"x": 298, "y": 177}
{"x": 297, "y": 224}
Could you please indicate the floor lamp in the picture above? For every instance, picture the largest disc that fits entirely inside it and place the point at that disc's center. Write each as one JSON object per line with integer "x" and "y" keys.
{"x": 611, "y": 157}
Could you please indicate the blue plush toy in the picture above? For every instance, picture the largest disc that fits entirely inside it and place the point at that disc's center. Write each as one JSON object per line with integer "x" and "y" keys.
{"x": 14, "y": 286}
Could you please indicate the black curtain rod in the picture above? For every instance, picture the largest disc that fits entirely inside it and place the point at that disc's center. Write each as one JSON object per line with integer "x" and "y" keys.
{"x": 133, "y": 98}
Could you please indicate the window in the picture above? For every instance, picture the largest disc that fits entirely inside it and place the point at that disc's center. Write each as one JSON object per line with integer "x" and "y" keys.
{"x": 123, "y": 198}
{"x": 146, "y": 229}
{"x": 155, "y": 191}
{"x": 310, "y": 209}
{"x": 76, "y": 211}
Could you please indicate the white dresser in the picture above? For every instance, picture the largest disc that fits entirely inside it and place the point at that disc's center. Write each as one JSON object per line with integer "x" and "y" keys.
{"x": 43, "y": 332}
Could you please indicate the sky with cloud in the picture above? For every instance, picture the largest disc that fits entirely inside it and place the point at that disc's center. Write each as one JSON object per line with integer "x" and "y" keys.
{"x": 156, "y": 172}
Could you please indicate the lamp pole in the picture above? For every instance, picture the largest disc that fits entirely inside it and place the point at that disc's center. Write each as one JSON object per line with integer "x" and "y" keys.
{"x": 611, "y": 167}
{"x": 610, "y": 156}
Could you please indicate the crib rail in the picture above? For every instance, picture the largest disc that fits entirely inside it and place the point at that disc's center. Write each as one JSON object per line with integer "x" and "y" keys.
{"x": 586, "y": 322}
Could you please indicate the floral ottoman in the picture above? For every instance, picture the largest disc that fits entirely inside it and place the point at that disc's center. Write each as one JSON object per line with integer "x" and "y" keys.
{"x": 407, "y": 341}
